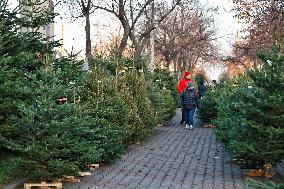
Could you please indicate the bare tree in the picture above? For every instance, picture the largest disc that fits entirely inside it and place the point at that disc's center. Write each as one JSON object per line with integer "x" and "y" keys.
{"x": 131, "y": 14}
{"x": 78, "y": 9}
{"x": 186, "y": 36}
{"x": 265, "y": 26}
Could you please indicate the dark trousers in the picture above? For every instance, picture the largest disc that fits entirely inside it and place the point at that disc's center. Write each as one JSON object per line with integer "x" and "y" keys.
{"x": 182, "y": 115}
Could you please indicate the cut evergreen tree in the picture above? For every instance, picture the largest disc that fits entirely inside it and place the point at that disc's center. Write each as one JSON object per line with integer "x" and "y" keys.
{"x": 46, "y": 139}
{"x": 53, "y": 139}
{"x": 250, "y": 112}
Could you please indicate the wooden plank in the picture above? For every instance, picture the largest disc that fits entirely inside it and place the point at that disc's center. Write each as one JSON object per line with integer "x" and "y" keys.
{"x": 30, "y": 185}
{"x": 94, "y": 166}
{"x": 69, "y": 177}
{"x": 71, "y": 180}
{"x": 82, "y": 174}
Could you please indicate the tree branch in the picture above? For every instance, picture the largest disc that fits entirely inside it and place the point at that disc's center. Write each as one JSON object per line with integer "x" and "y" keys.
{"x": 147, "y": 32}
{"x": 140, "y": 13}
{"x": 108, "y": 10}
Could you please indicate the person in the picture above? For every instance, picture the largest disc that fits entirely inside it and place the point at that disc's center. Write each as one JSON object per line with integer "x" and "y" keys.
{"x": 181, "y": 87}
{"x": 201, "y": 89}
{"x": 183, "y": 82}
{"x": 189, "y": 104}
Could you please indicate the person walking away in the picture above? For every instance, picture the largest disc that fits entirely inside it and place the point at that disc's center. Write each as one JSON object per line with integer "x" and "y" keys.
{"x": 181, "y": 87}
{"x": 189, "y": 104}
{"x": 201, "y": 89}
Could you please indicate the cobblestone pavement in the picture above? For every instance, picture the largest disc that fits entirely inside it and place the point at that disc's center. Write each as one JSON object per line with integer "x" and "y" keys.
{"x": 172, "y": 158}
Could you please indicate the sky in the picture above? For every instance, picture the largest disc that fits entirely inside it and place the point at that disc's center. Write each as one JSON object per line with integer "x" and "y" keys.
{"x": 227, "y": 27}
{"x": 225, "y": 22}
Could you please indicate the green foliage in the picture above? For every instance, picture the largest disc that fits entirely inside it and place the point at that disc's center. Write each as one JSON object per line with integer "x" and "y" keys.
{"x": 200, "y": 76}
{"x": 106, "y": 109}
{"x": 132, "y": 85}
{"x": 163, "y": 94}
{"x": 110, "y": 115}
{"x": 48, "y": 139}
{"x": 10, "y": 164}
{"x": 132, "y": 82}
{"x": 250, "y": 113}
{"x": 264, "y": 185}
{"x": 167, "y": 107}
{"x": 163, "y": 102}
{"x": 208, "y": 106}
{"x": 164, "y": 81}
{"x": 53, "y": 139}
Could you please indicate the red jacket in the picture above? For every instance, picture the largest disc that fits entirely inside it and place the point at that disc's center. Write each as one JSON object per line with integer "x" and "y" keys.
{"x": 183, "y": 82}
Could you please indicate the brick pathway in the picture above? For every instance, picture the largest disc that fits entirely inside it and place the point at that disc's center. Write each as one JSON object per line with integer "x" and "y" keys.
{"x": 172, "y": 158}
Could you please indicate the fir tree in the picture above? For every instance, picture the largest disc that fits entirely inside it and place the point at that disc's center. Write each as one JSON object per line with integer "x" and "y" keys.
{"x": 53, "y": 139}
{"x": 250, "y": 112}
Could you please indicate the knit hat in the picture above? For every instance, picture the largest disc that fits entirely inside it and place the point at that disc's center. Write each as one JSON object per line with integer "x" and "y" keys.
{"x": 189, "y": 84}
{"x": 187, "y": 73}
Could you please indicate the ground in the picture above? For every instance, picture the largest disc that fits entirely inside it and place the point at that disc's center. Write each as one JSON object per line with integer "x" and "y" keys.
{"x": 171, "y": 158}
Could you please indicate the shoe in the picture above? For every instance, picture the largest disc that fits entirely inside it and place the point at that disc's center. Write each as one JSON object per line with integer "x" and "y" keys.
{"x": 181, "y": 122}
{"x": 186, "y": 126}
{"x": 191, "y": 127}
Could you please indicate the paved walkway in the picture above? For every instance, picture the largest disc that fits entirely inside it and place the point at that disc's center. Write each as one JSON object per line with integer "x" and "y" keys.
{"x": 172, "y": 158}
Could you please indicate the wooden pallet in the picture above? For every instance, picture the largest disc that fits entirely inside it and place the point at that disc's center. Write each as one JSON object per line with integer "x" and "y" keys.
{"x": 94, "y": 166}
{"x": 42, "y": 185}
{"x": 266, "y": 172}
{"x": 82, "y": 174}
{"x": 70, "y": 179}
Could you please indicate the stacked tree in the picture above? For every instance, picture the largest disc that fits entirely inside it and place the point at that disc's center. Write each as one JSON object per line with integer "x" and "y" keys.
{"x": 207, "y": 111}
{"x": 49, "y": 136}
{"x": 250, "y": 112}
{"x": 55, "y": 118}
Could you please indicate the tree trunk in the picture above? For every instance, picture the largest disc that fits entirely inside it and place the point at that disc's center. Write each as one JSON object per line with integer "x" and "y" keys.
{"x": 123, "y": 42}
{"x": 151, "y": 66}
{"x": 88, "y": 37}
{"x": 138, "y": 46}
{"x": 152, "y": 42}
{"x": 126, "y": 33}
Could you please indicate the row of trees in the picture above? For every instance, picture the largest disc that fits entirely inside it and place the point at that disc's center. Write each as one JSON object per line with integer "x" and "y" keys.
{"x": 137, "y": 18}
{"x": 187, "y": 36}
{"x": 55, "y": 118}
{"x": 182, "y": 29}
{"x": 248, "y": 112}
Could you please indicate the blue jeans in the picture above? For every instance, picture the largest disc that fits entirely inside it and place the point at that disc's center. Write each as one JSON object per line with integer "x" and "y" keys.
{"x": 189, "y": 116}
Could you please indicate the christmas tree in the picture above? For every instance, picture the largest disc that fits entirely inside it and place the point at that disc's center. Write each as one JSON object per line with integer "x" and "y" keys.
{"x": 49, "y": 136}
{"x": 54, "y": 139}
{"x": 250, "y": 112}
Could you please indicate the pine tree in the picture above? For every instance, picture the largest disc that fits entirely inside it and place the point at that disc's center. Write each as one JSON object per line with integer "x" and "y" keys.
{"x": 250, "y": 112}
{"x": 267, "y": 115}
{"x": 50, "y": 139}
{"x": 53, "y": 139}
{"x": 16, "y": 59}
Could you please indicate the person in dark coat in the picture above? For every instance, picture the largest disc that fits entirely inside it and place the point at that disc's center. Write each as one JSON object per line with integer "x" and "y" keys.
{"x": 181, "y": 87}
{"x": 189, "y": 104}
{"x": 201, "y": 89}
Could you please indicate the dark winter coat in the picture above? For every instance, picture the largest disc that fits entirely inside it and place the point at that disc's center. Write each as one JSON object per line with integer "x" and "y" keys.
{"x": 189, "y": 99}
{"x": 202, "y": 88}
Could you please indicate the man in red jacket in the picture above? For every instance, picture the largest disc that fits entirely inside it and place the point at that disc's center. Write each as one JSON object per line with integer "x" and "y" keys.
{"x": 181, "y": 87}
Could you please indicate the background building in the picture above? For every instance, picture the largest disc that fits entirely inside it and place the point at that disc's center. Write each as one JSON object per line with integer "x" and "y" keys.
{"x": 29, "y": 10}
